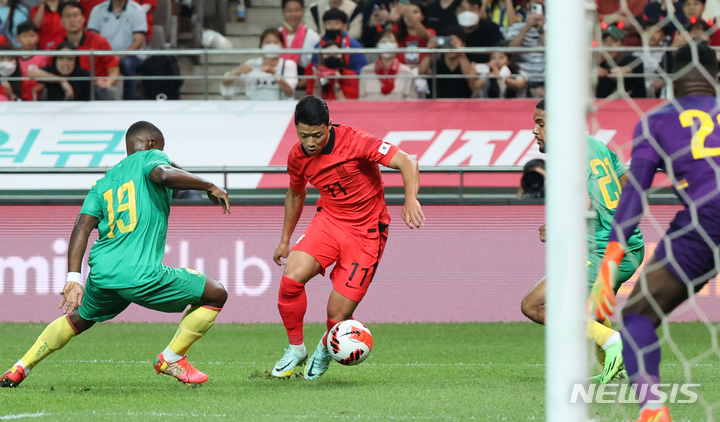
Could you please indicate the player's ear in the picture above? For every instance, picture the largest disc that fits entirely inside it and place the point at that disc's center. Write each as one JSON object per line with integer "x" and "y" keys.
{"x": 329, "y": 123}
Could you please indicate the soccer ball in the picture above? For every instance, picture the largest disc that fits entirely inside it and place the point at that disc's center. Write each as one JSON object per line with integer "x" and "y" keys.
{"x": 349, "y": 342}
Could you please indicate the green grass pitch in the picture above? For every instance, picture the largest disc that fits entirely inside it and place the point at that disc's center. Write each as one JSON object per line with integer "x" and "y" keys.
{"x": 416, "y": 372}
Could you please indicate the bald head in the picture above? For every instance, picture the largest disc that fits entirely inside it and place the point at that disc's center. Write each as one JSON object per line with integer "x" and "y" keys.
{"x": 143, "y": 136}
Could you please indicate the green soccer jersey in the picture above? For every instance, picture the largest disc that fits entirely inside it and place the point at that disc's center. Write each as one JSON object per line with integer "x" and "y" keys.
{"x": 133, "y": 213}
{"x": 604, "y": 173}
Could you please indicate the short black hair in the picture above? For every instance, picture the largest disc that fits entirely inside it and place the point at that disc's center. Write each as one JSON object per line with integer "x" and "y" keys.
{"x": 533, "y": 164}
{"x": 706, "y": 57}
{"x": 335, "y": 15}
{"x": 701, "y": 1}
{"x": 285, "y": 2}
{"x": 27, "y": 26}
{"x": 69, "y": 3}
{"x": 541, "y": 105}
{"x": 312, "y": 111}
{"x": 477, "y": 3}
{"x": 142, "y": 127}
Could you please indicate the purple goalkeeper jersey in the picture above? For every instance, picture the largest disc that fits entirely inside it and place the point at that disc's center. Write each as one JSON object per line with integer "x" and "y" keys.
{"x": 684, "y": 144}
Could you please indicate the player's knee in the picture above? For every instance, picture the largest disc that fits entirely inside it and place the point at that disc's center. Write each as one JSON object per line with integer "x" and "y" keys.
{"x": 643, "y": 308}
{"x": 216, "y": 294}
{"x": 531, "y": 309}
{"x": 80, "y": 324}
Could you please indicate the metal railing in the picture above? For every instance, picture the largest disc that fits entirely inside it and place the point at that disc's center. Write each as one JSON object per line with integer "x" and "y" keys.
{"x": 205, "y": 54}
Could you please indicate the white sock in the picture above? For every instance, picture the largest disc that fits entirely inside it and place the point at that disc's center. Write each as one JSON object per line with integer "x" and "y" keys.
{"x": 613, "y": 340}
{"x": 19, "y": 363}
{"x": 299, "y": 348}
{"x": 170, "y": 356}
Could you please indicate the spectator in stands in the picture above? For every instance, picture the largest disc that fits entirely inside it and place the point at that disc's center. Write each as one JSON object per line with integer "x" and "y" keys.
{"x": 503, "y": 13}
{"x": 454, "y": 64}
{"x": 124, "y": 24}
{"x": 505, "y": 79}
{"x": 57, "y": 88}
{"x": 387, "y": 78}
{"x": 411, "y": 33}
{"x": 333, "y": 80}
{"x": 656, "y": 10}
{"x": 268, "y": 78}
{"x": 12, "y": 14}
{"x": 318, "y": 9}
{"x": 441, "y": 15}
{"x": 621, "y": 64}
{"x": 479, "y": 32}
{"x": 47, "y": 18}
{"x": 656, "y": 61}
{"x": 28, "y": 38}
{"x": 297, "y": 35}
{"x": 107, "y": 68}
{"x": 531, "y": 33}
{"x": 334, "y": 21}
{"x": 9, "y": 68}
{"x": 376, "y": 17}
{"x": 693, "y": 11}
{"x": 148, "y": 7}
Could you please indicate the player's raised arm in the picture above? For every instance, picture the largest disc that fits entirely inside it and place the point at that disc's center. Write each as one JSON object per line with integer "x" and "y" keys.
{"x": 412, "y": 211}
{"x": 177, "y": 179}
{"x": 294, "y": 201}
{"x": 73, "y": 292}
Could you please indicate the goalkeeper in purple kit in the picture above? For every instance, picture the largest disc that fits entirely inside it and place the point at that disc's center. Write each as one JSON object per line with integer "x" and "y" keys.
{"x": 682, "y": 140}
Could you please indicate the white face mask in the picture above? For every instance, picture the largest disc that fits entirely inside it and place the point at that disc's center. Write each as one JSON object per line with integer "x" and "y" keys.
{"x": 272, "y": 50}
{"x": 468, "y": 19}
{"x": 7, "y": 69}
{"x": 387, "y": 46}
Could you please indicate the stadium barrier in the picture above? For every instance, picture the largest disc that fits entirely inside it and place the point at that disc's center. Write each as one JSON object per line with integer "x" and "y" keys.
{"x": 202, "y": 57}
{"x": 469, "y": 263}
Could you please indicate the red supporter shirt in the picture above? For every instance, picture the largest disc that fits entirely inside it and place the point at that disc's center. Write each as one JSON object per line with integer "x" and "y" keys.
{"x": 88, "y": 6}
{"x": 413, "y": 41}
{"x": 150, "y": 18}
{"x": 50, "y": 28}
{"x": 349, "y": 87}
{"x": 95, "y": 41}
{"x": 347, "y": 175}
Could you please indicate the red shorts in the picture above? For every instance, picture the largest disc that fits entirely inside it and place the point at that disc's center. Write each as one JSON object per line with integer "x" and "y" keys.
{"x": 356, "y": 257}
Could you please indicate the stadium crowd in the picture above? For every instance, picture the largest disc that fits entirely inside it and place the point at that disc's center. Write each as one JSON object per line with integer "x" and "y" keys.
{"x": 337, "y": 27}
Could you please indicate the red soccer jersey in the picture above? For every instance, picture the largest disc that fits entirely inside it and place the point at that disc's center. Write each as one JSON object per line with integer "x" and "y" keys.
{"x": 347, "y": 175}
{"x": 50, "y": 29}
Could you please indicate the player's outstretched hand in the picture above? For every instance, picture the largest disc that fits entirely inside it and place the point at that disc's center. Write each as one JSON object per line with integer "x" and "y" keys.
{"x": 281, "y": 254}
{"x": 219, "y": 196}
{"x": 602, "y": 296}
{"x": 72, "y": 295}
{"x": 413, "y": 215}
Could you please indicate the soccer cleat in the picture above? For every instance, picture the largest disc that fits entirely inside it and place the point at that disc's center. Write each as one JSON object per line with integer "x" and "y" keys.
{"x": 182, "y": 370}
{"x": 13, "y": 377}
{"x": 287, "y": 364}
{"x": 655, "y": 415}
{"x": 613, "y": 362}
{"x": 319, "y": 362}
{"x": 596, "y": 379}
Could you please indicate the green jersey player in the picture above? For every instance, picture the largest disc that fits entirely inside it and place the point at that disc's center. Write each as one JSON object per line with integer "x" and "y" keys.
{"x": 605, "y": 180}
{"x": 130, "y": 208}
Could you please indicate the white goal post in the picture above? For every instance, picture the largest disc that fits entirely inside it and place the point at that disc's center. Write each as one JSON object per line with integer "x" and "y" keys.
{"x": 567, "y": 82}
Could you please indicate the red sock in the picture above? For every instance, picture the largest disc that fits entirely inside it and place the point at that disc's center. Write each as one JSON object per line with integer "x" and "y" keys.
{"x": 292, "y": 304}
{"x": 330, "y": 323}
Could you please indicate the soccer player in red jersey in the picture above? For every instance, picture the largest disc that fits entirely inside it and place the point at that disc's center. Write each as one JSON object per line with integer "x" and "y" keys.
{"x": 349, "y": 229}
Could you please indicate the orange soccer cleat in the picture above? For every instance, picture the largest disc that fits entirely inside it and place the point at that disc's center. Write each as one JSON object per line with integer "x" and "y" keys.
{"x": 182, "y": 370}
{"x": 13, "y": 377}
{"x": 655, "y": 415}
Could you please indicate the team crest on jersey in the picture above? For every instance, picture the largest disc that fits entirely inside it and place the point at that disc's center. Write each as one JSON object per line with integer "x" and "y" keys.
{"x": 384, "y": 148}
{"x": 341, "y": 170}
